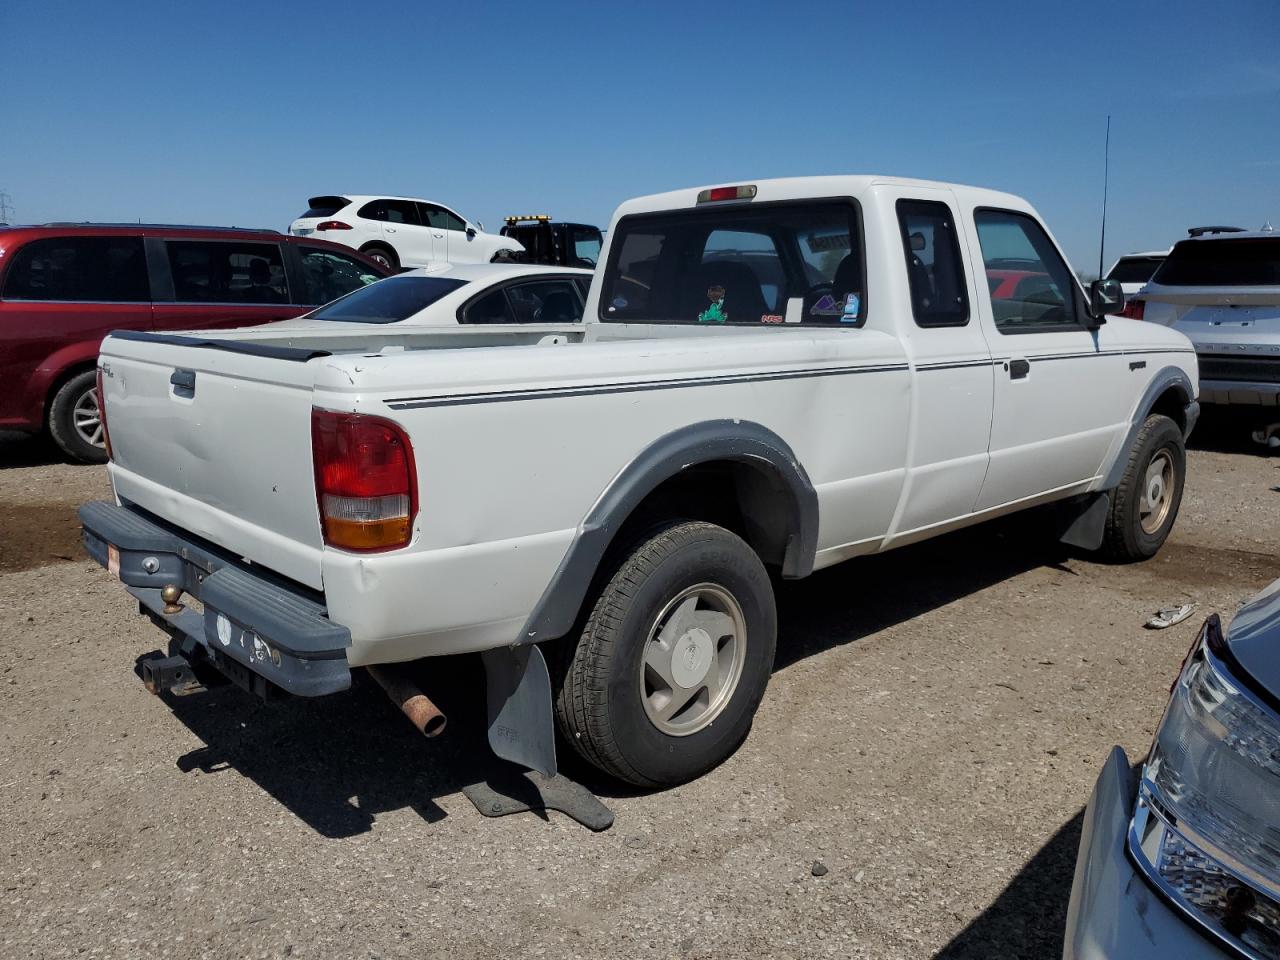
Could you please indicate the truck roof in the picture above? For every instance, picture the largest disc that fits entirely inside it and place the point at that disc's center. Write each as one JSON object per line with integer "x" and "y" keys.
{"x": 793, "y": 188}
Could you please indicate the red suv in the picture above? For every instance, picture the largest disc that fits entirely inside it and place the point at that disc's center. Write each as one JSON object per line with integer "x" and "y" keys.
{"x": 63, "y": 287}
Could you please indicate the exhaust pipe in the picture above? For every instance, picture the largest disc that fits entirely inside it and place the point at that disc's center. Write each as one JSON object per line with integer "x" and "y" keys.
{"x": 415, "y": 705}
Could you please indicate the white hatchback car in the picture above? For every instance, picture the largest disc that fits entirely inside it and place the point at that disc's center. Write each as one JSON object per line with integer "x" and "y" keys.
{"x": 401, "y": 231}
{"x": 459, "y": 293}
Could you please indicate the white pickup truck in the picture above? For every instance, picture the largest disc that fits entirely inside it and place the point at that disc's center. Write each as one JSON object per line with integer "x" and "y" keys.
{"x": 772, "y": 377}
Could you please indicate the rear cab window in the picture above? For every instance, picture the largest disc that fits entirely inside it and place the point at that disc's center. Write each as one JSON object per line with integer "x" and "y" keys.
{"x": 387, "y": 301}
{"x": 79, "y": 270}
{"x": 762, "y": 263}
{"x": 1250, "y": 262}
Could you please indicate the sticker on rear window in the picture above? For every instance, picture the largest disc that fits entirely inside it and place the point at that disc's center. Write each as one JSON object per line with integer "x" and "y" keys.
{"x": 827, "y": 306}
{"x": 716, "y": 313}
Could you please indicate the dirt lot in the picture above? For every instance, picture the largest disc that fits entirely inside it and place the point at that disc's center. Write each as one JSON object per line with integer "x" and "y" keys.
{"x": 932, "y": 731}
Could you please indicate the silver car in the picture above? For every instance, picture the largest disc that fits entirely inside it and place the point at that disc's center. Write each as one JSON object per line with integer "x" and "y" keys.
{"x": 1223, "y": 291}
{"x": 1183, "y": 861}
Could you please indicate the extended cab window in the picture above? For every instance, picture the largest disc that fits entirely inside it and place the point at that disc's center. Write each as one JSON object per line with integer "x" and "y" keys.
{"x": 221, "y": 271}
{"x": 330, "y": 275}
{"x": 935, "y": 271}
{"x": 766, "y": 263}
{"x": 388, "y": 301}
{"x": 1032, "y": 289}
{"x": 79, "y": 269}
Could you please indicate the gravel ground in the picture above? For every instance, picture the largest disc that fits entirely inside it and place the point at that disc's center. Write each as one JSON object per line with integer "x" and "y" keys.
{"x": 934, "y": 726}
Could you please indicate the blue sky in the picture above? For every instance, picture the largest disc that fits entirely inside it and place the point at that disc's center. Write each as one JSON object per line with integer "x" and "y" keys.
{"x": 235, "y": 113}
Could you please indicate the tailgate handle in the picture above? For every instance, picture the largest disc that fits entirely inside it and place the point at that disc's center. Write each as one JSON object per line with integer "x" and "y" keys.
{"x": 184, "y": 383}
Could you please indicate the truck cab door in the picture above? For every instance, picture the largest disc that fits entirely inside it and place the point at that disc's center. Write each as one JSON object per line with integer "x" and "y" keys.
{"x": 935, "y": 292}
{"x": 1061, "y": 396}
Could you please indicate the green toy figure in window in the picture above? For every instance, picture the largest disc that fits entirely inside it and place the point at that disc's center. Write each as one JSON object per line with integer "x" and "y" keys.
{"x": 715, "y": 313}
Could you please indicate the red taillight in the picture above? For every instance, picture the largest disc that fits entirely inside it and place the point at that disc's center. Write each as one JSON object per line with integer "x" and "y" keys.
{"x": 333, "y": 225}
{"x": 102, "y": 414}
{"x": 1133, "y": 309}
{"x": 366, "y": 483}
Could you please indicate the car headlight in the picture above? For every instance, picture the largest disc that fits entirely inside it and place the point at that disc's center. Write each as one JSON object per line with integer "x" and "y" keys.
{"x": 1206, "y": 828}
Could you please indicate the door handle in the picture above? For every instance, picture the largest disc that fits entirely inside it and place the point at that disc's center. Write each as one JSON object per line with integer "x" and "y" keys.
{"x": 1019, "y": 368}
{"x": 390, "y": 229}
{"x": 184, "y": 383}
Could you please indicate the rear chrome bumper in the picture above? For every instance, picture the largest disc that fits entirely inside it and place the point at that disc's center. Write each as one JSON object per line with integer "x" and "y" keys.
{"x": 258, "y": 629}
{"x": 1113, "y": 912}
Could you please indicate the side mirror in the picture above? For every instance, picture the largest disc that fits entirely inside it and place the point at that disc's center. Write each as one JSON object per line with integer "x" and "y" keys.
{"x": 471, "y": 233}
{"x": 1105, "y": 296}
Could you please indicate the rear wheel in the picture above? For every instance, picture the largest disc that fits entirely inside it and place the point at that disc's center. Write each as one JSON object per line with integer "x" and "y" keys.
{"x": 75, "y": 422}
{"x": 674, "y": 659}
{"x": 383, "y": 255}
{"x": 1145, "y": 504}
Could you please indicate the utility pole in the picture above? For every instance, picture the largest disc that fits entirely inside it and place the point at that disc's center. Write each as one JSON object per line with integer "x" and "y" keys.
{"x": 6, "y": 207}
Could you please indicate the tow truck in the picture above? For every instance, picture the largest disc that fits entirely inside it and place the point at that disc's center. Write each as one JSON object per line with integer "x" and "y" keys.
{"x": 554, "y": 242}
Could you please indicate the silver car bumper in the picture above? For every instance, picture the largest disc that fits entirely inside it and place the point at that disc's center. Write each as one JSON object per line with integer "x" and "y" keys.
{"x": 1114, "y": 913}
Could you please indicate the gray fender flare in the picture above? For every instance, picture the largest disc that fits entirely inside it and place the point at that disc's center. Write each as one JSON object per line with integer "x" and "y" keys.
{"x": 738, "y": 441}
{"x": 1164, "y": 379}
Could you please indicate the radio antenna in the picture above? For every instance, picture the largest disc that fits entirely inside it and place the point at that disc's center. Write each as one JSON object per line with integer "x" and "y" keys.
{"x": 1106, "y": 172}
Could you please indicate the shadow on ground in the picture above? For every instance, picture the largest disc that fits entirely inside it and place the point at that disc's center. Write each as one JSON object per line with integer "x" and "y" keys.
{"x": 1028, "y": 919}
{"x": 1230, "y": 430}
{"x": 338, "y": 762}
{"x": 26, "y": 450}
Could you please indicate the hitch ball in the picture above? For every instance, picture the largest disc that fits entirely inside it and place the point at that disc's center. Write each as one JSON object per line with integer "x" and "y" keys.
{"x": 170, "y": 593}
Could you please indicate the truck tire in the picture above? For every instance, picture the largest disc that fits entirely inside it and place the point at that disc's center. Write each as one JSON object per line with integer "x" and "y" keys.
{"x": 74, "y": 420}
{"x": 383, "y": 255}
{"x": 1145, "y": 504}
{"x": 674, "y": 658}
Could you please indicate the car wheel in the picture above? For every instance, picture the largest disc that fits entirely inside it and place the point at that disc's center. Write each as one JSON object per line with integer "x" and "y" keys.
{"x": 75, "y": 422}
{"x": 1145, "y": 504}
{"x": 383, "y": 255}
{"x": 673, "y": 661}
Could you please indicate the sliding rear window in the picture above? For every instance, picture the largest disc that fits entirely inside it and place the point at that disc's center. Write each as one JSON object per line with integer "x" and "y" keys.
{"x": 387, "y": 301}
{"x": 759, "y": 263}
{"x": 1222, "y": 263}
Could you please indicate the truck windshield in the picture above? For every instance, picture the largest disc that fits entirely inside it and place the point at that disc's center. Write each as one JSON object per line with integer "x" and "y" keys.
{"x": 1222, "y": 263}
{"x": 586, "y": 246}
{"x": 387, "y": 301}
{"x": 758, "y": 263}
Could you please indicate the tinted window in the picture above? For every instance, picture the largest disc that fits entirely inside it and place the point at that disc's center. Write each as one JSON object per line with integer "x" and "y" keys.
{"x": 440, "y": 218}
{"x": 762, "y": 263}
{"x": 1222, "y": 263}
{"x": 935, "y": 272}
{"x": 391, "y": 211}
{"x": 545, "y": 301}
{"x": 1037, "y": 290}
{"x": 491, "y": 308}
{"x": 215, "y": 271}
{"x": 1134, "y": 269}
{"x": 388, "y": 301}
{"x": 325, "y": 206}
{"x": 83, "y": 269}
{"x": 331, "y": 275}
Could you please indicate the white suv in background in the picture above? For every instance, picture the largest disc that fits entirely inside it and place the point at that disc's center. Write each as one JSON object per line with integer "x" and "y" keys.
{"x": 401, "y": 231}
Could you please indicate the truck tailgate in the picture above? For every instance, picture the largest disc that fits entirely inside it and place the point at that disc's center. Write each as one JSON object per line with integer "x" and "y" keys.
{"x": 218, "y": 443}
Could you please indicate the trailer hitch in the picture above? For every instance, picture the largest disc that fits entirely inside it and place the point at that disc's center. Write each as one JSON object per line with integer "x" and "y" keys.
{"x": 172, "y": 674}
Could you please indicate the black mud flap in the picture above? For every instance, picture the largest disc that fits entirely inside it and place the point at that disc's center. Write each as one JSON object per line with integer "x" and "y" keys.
{"x": 1083, "y": 520}
{"x": 521, "y": 725}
